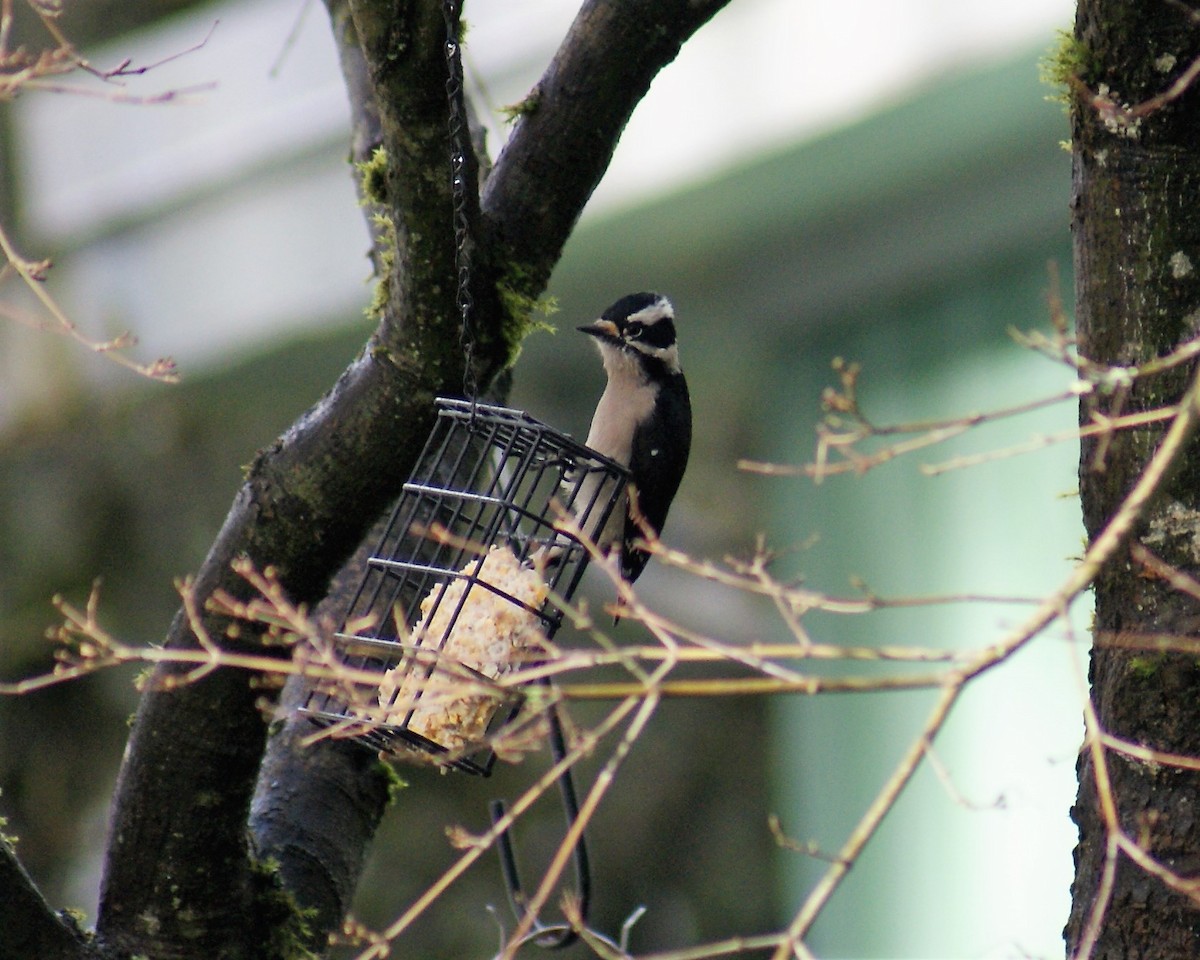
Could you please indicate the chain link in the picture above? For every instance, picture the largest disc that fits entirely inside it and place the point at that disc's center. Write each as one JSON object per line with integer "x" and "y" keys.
{"x": 459, "y": 136}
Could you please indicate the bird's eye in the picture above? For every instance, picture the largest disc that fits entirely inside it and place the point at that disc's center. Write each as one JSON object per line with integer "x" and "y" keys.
{"x": 634, "y": 329}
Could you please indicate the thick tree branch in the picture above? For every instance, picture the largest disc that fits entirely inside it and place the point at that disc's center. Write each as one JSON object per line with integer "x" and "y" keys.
{"x": 319, "y": 835}
{"x": 570, "y": 125}
{"x": 180, "y": 880}
{"x": 316, "y": 809}
{"x": 403, "y": 46}
{"x": 1136, "y": 192}
{"x": 315, "y": 813}
{"x": 28, "y": 927}
{"x": 366, "y": 130}
{"x": 178, "y": 860}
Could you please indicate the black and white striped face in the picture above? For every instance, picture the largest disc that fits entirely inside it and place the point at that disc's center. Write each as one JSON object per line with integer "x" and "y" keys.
{"x": 639, "y": 327}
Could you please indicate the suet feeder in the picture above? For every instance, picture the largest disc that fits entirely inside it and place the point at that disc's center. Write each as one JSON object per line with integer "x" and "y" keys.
{"x": 489, "y": 532}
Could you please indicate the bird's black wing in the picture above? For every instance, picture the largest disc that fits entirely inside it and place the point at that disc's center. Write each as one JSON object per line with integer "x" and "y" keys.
{"x": 655, "y": 476}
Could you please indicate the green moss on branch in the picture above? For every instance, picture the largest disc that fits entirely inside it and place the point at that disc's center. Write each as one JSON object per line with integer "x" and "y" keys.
{"x": 524, "y": 312}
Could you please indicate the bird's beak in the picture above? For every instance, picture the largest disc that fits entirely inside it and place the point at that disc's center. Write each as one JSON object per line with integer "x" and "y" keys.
{"x": 601, "y": 329}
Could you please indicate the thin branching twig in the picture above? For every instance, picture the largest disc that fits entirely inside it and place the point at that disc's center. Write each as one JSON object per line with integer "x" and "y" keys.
{"x": 293, "y": 643}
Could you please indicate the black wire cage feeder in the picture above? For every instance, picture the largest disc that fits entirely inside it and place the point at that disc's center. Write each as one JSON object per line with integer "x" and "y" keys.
{"x": 488, "y": 538}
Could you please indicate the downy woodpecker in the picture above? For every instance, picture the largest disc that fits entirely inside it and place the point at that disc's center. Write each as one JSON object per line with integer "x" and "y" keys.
{"x": 643, "y": 420}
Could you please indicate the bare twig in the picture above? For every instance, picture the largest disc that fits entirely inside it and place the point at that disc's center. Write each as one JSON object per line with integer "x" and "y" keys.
{"x": 587, "y": 810}
{"x": 21, "y": 70}
{"x": 1102, "y": 425}
{"x": 846, "y": 425}
{"x": 33, "y": 274}
{"x": 868, "y": 825}
{"x": 1147, "y": 755}
{"x": 479, "y": 845}
{"x": 1104, "y": 794}
{"x": 1176, "y": 579}
{"x": 1055, "y": 605}
{"x": 85, "y": 647}
{"x": 808, "y": 848}
{"x": 126, "y": 69}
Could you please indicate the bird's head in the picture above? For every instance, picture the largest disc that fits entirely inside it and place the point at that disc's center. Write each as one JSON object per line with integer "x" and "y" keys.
{"x": 638, "y": 330}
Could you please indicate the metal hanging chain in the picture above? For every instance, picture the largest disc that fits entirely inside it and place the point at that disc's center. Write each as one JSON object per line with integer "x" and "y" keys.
{"x": 560, "y": 935}
{"x": 459, "y": 131}
{"x": 459, "y": 134}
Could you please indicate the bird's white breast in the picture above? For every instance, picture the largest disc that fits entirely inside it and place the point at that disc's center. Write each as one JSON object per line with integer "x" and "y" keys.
{"x": 628, "y": 399}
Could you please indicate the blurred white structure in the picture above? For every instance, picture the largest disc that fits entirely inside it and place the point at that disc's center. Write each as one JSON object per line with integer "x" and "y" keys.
{"x": 192, "y": 222}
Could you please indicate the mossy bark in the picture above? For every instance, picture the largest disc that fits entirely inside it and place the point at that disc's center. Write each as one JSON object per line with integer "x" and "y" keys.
{"x": 1136, "y": 223}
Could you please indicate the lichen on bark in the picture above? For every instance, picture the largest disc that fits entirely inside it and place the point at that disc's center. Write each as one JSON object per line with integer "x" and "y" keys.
{"x": 1136, "y": 223}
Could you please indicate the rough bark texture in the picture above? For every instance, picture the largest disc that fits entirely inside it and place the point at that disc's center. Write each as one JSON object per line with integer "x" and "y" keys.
{"x": 1136, "y": 221}
{"x": 186, "y": 873}
{"x": 314, "y": 815}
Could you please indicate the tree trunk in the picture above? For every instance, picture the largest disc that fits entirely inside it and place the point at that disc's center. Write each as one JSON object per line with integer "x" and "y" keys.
{"x": 1136, "y": 223}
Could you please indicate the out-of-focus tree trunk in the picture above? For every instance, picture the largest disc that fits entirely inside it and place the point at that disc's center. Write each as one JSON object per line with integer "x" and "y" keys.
{"x": 1136, "y": 221}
